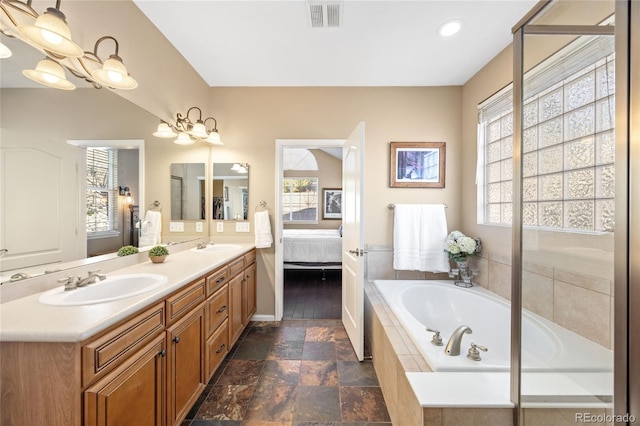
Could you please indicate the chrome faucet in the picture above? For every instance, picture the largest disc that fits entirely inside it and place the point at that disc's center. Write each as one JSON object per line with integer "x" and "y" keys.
{"x": 202, "y": 245}
{"x": 71, "y": 282}
{"x": 453, "y": 345}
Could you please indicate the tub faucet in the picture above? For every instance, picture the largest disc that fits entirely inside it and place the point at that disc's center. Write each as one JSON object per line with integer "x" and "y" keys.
{"x": 453, "y": 345}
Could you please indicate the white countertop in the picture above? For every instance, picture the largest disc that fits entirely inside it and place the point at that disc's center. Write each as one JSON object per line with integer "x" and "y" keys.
{"x": 28, "y": 320}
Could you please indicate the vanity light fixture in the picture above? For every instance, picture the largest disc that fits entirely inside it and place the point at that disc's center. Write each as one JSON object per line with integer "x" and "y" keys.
{"x": 188, "y": 130}
{"x": 50, "y": 34}
{"x": 240, "y": 168}
{"x": 5, "y": 52}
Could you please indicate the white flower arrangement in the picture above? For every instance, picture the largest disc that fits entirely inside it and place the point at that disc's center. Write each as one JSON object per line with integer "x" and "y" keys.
{"x": 459, "y": 246}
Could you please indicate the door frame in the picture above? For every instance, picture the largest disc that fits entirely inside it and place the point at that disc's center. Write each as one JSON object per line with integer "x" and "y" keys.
{"x": 281, "y": 144}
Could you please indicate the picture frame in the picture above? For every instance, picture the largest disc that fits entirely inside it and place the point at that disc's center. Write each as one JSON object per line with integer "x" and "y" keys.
{"x": 417, "y": 164}
{"x": 331, "y": 203}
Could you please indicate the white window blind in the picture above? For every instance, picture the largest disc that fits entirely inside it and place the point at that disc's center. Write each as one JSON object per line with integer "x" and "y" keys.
{"x": 102, "y": 190}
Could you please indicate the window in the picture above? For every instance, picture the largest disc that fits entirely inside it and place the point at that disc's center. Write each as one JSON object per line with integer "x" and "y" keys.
{"x": 300, "y": 199}
{"x": 567, "y": 143}
{"x": 102, "y": 190}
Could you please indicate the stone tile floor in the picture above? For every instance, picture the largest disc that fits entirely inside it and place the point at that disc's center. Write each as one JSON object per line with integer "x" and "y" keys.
{"x": 292, "y": 373}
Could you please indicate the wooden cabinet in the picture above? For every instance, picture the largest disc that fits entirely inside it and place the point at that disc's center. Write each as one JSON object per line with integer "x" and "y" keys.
{"x": 148, "y": 369}
{"x": 141, "y": 379}
{"x": 186, "y": 364}
{"x": 249, "y": 293}
{"x": 235, "y": 303}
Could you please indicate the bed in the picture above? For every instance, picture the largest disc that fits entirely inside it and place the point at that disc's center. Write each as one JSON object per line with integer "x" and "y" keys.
{"x": 312, "y": 248}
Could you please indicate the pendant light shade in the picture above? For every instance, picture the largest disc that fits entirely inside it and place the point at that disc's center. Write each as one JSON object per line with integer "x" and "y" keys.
{"x": 51, "y": 33}
{"x": 198, "y": 130}
{"x": 184, "y": 139}
{"x": 214, "y": 138}
{"x": 5, "y": 52}
{"x": 114, "y": 74}
{"x": 50, "y": 73}
{"x": 164, "y": 131}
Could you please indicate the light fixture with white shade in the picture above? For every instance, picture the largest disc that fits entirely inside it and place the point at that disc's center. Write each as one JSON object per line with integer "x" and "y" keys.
{"x": 449, "y": 28}
{"x": 187, "y": 128}
{"x": 50, "y": 34}
{"x": 49, "y": 73}
{"x": 5, "y": 52}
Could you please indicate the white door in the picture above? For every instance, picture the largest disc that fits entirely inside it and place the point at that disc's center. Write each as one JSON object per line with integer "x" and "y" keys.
{"x": 353, "y": 239}
{"x": 38, "y": 205}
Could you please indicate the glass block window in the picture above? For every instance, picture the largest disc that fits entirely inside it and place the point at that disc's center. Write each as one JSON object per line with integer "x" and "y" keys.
{"x": 568, "y": 143}
{"x": 102, "y": 190}
{"x": 300, "y": 199}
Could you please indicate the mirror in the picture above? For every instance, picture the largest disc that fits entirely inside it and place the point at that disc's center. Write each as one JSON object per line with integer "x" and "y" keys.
{"x": 36, "y": 125}
{"x": 230, "y": 191}
{"x": 187, "y": 191}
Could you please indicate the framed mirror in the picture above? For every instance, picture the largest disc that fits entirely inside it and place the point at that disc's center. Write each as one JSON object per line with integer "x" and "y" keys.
{"x": 188, "y": 191}
{"x": 230, "y": 191}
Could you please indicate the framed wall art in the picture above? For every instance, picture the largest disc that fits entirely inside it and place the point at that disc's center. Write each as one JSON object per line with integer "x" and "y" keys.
{"x": 417, "y": 164}
{"x": 332, "y": 203}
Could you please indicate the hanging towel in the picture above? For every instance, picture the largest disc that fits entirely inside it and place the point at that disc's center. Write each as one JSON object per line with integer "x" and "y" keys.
{"x": 264, "y": 238}
{"x": 151, "y": 229}
{"x": 419, "y": 234}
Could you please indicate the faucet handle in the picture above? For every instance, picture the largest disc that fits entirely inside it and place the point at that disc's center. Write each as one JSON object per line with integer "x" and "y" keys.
{"x": 70, "y": 283}
{"x": 473, "y": 354}
{"x": 437, "y": 339}
{"x": 89, "y": 273}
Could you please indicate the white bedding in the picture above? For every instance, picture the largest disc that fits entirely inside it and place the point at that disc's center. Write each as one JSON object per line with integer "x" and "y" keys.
{"x": 312, "y": 246}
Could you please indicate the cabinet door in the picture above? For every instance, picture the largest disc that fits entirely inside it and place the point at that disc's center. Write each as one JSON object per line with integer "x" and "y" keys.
{"x": 249, "y": 293}
{"x": 141, "y": 380}
{"x": 186, "y": 369}
{"x": 235, "y": 302}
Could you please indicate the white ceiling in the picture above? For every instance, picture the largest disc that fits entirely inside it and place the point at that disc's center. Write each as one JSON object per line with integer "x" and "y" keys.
{"x": 380, "y": 43}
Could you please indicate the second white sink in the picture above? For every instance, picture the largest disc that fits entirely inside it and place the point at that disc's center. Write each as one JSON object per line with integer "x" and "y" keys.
{"x": 114, "y": 287}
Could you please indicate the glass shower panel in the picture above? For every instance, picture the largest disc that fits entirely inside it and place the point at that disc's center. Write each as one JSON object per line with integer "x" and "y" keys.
{"x": 568, "y": 208}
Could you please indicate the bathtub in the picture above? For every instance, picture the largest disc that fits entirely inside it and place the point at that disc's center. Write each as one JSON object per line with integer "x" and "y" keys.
{"x": 441, "y": 305}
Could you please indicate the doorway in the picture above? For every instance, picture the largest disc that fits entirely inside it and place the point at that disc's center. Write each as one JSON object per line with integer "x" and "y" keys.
{"x": 308, "y": 243}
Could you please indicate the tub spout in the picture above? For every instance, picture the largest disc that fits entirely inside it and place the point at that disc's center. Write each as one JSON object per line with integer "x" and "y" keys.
{"x": 453, "y": 346}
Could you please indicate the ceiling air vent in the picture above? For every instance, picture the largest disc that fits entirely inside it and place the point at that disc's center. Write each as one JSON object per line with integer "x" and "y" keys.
{"x": 325, "y": 14}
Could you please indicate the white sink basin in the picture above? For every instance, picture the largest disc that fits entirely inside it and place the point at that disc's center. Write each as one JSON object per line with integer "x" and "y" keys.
{"x": 114, "y": 287}
{"x": 214, "y": 248}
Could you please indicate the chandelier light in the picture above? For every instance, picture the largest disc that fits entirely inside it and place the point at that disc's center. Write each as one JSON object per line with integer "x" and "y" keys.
{"x": 189, "y": 131}
{"x": 50, "y": 34}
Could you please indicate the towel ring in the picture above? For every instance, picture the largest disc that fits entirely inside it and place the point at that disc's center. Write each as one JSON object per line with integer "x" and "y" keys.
{"x": 263, "y": 206}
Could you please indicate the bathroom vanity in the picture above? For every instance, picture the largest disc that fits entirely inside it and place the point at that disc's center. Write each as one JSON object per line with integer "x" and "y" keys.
{"x": 140, "y": 361}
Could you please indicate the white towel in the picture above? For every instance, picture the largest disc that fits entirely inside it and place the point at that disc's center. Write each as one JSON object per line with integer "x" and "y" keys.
{"x": 264, "y": 238}
{"x": 151, "y": 229}
{"x": 419, "y": 234}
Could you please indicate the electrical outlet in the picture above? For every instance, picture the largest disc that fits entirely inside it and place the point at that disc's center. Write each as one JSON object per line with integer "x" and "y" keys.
{"x": 242, "y": 227}
{"x": 220, "y": 226}
{"x": 199, "y": 227}
{"x": 176, "y": 226}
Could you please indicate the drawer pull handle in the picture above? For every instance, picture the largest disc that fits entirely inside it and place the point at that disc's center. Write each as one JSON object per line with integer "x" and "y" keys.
{"x": 222, "y": 346}
{"x": 176, "y": 339}
{"x": 222, "y": 309}
{"x": 220, "y": 280}
{"x": 162, "y": 352}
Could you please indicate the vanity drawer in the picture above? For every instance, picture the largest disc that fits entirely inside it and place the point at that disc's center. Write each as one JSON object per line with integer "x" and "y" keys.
{"x": 217, "y": 348}
{"x": 236, "y": 266}
{"x": 249, "y": 258}
{"x": 109, "y": 350}
{"x": 217, "y": 279}
{"x": 217, "y": 309}
{"x": 185, "y": 300}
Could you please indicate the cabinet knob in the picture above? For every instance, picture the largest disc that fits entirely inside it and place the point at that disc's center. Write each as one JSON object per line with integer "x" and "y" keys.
{"x": 162, "y": 352}
{"x": 222, "y": 346}
{"x": 222, "y": 309}
{"x": 176, "y": 339}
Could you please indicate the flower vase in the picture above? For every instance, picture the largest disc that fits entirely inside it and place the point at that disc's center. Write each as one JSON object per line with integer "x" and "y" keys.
{"x": 464, "y": 273}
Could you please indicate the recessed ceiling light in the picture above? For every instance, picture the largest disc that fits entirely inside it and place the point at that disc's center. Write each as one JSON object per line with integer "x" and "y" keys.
{"x": 449, "y": 28}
